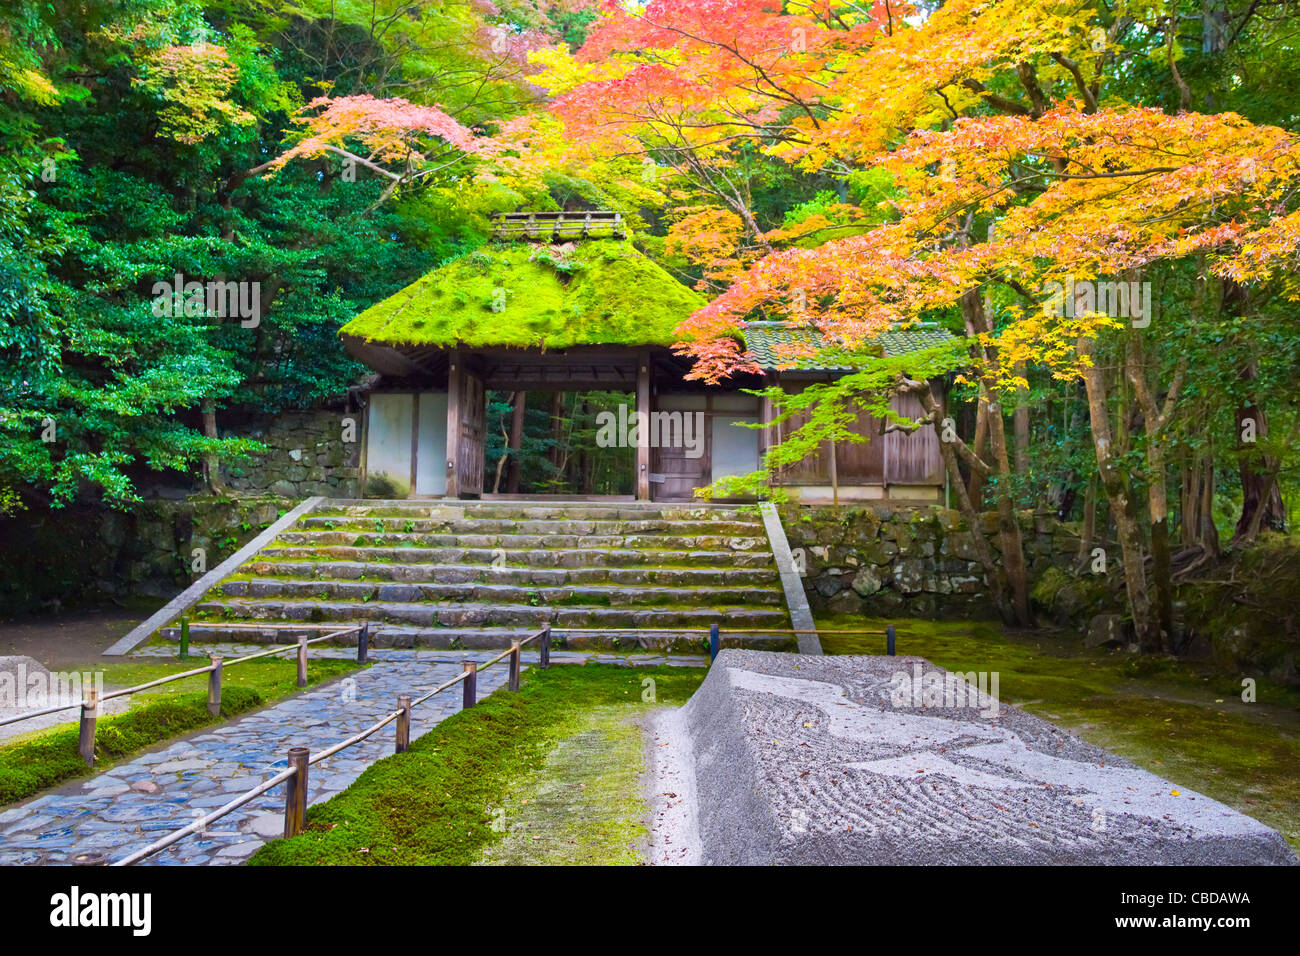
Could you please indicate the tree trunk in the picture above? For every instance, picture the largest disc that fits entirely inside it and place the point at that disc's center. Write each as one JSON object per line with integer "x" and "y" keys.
{"x": 1266, "y": 493}
{"x": 1013, "y": 553}
{"x": 1115, "y": 483}
{"x": 1020, "y": 422}
{"x": 1261, "y": 503}
{"x": 555, "y": 453}
{"x": 1157, "y": 487}
{"x": 1197, "y": 504}
{"x": 516, "y": 442}
{"x": 994, "y": 573}
{"x": 1088, "y": 528}
{"x": 980, "y": 443}
{"x": 211, "y": 464}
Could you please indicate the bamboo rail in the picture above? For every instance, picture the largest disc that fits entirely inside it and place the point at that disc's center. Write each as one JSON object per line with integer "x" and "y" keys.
{"x": 300, "y": 760}
{"x": 91, "y": 699}
{"x": 296, "y": 776}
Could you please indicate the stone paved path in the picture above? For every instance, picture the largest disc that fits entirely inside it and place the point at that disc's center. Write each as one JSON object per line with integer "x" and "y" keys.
{"x": 140, "y": 801}
{"x": 120, "y": 810}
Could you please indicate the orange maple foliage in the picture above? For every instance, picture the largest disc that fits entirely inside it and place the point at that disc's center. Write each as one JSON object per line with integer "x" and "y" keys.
{"x": 392, "y": 130}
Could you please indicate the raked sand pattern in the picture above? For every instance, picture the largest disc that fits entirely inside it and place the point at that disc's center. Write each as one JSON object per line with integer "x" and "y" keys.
{"x": 815, "y": 760}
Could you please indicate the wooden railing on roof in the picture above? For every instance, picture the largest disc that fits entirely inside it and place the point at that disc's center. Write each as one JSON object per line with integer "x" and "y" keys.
{"x": 558, "y": 225}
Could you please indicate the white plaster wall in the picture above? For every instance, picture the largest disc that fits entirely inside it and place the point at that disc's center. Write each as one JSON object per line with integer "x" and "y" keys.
{"x": 388, "y": 436}
{"x": 735, "y": 448}
{"x": 431, "y": 448}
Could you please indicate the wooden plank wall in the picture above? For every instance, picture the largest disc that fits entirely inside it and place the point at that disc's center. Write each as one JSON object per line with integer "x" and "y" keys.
{"x": 895, "y": 458}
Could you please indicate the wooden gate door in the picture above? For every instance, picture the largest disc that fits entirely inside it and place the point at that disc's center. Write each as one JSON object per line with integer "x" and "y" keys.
{"x": 466, "y": 427}
{"x": 675, "y": 476}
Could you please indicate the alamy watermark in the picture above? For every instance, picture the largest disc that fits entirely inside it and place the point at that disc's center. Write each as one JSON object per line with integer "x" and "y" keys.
{"x": 21, "y": 690}
{"x": 224, "y": 300}
{"x": 634, "y": 429}
{"x": 978, "y": 691}
{"x": 1120, "y": 300}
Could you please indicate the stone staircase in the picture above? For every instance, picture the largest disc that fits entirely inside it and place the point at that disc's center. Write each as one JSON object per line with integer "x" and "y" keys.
{"x": 478, "y": 574}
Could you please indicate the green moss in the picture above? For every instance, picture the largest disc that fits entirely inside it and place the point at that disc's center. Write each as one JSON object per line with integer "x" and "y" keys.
{"x": 382, "y": 485}
{"x": 583, "y": 806}
{"x": 1045, "y": 588}
{"x": 526, "y": 295}
{"x": 1249, "y": 609}
{"x": 452, "y": 796}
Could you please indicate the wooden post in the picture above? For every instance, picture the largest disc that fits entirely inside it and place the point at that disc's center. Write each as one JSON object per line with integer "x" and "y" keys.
{"x": 302, "y": 660}
{"x": 214, "y": 686}
{"x": 295, "y": 793}
{"x": 889, "y": 640}
{"x": 546, "y": 646}
{"x": 514, "y": 664}
{"x": 470, "y": 684}
{"x": 363, "y": 643}
{"x": 404, "y": 723}
{"x": 89, "y": 714}
{"x": 714, "y": 640}
{"x": 454, "y": 389}
{"x": 185, "y": 639}
{"x": 835, "y": 480}
{"x": 643, "y": 433}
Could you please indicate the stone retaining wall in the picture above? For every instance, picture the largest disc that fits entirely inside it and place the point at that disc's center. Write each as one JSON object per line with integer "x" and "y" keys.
{"x": 887, "y": 561}
{"x": 306, "y": 456}
{"x": 81, "y": 556}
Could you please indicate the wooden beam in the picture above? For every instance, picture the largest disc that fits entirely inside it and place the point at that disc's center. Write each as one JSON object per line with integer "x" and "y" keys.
{"x": 455, "y": 374}
{"x": 643, "y": 445}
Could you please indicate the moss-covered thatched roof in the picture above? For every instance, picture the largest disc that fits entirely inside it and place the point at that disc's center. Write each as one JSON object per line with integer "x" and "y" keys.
{"x": 519, "y": 294}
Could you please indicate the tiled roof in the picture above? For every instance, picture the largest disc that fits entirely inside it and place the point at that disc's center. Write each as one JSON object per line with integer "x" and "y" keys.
{"x": 770, "y": 344}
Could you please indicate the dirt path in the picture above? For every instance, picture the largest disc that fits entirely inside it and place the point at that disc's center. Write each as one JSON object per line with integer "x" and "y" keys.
{"x": 69, "y": 641}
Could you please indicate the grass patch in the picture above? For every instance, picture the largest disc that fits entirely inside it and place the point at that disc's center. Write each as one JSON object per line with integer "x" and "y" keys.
{"x": 1181, "y": 720}
{"x": 443, "y": 802}
{"x": 45, "y": 758}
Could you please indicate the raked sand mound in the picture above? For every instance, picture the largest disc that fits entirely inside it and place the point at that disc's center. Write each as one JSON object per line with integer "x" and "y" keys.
{"x": 813, "y": 760}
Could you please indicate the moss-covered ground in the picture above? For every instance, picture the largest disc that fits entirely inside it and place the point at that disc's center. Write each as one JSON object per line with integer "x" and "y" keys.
{"x": 1182, "y": 720}
{"x": 485, "y": 782}
{"x": 36, "y": 761}
{"x": 583, "y": 805}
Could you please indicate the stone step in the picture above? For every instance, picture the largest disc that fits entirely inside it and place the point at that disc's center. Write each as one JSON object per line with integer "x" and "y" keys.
{"x": 478, "y": 615}
{"x": 596, "y": 594}
{"x": 692, "y": 641}
{"x": 624, "y": 511}
{"x": 521, "y": 542}
{"x": 610, "y": 558}
{"x": 557, "y": 526}
{"x": 489, "y": 574}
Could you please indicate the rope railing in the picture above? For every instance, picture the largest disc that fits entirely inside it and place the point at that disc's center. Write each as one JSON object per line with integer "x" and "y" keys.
{"x": 92, "y": 700}
{"x": 715, "y": 633}
{"x": 300, "y": 759}
{"x": 295, "y": 777}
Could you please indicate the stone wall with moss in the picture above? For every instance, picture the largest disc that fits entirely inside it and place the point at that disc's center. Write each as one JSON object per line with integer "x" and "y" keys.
{"x": 79, "y": 557}
{"x": 306, "y": 455}
{"x": 920, "y": 561}
{"x": 1242, "y": 612}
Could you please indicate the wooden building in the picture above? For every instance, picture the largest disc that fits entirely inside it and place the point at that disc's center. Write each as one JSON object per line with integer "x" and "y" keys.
{"x": 563, "y": 302}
